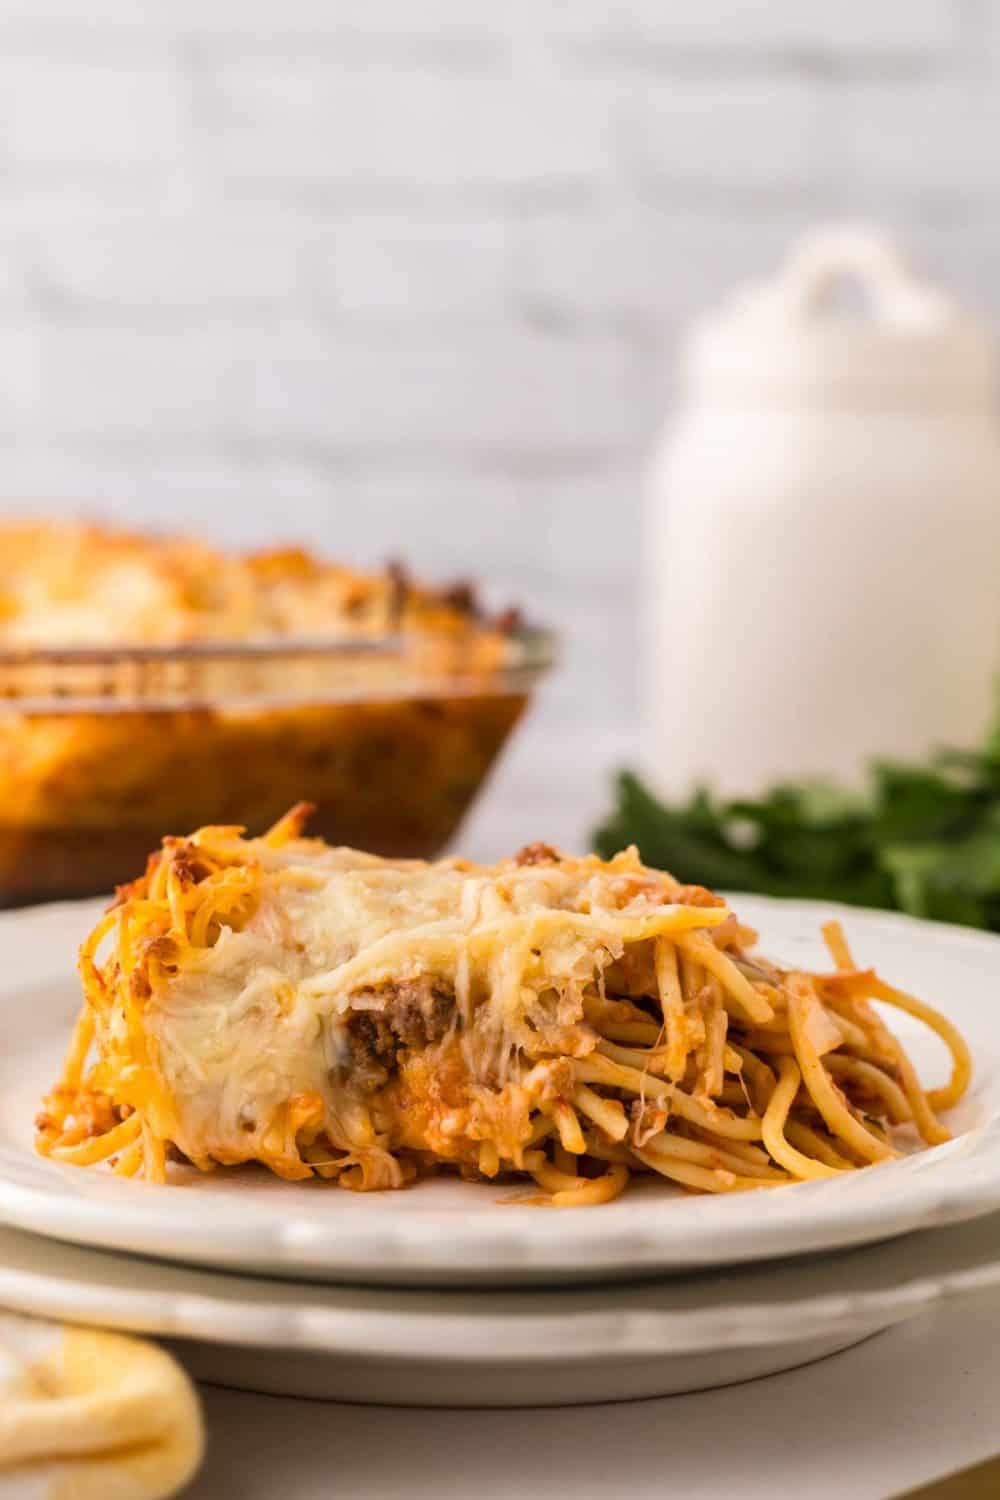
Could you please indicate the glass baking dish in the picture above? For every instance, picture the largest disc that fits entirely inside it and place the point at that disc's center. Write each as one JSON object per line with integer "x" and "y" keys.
{"x": 104, "y": 750}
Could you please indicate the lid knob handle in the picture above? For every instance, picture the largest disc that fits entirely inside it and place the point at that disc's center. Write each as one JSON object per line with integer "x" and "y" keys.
{"x": 823, "y": 259}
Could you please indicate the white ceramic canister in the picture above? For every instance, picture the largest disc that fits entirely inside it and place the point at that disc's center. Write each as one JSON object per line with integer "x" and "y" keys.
{"x": 823, "y": 536}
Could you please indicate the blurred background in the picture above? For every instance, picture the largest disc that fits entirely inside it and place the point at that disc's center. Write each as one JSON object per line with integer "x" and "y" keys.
{"x": 405, "y": 279}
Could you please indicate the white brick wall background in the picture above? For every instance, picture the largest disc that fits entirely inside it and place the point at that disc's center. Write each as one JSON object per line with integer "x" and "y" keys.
{"x": 406, "y": 276}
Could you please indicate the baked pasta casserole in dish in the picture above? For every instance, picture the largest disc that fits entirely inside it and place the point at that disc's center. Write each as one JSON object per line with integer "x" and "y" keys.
{"x": 156, "y": 683}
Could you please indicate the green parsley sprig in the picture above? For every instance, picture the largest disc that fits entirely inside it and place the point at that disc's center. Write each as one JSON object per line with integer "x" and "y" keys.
{"x": 924, "y": 839}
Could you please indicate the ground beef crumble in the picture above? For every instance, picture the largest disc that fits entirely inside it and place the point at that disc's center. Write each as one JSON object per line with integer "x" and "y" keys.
{"x": 405, "y": 1013}
{"x": 537, "y": 854}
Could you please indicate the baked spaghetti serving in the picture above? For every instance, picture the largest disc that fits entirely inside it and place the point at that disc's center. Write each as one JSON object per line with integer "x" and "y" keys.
{"x": 332, "y": 1014}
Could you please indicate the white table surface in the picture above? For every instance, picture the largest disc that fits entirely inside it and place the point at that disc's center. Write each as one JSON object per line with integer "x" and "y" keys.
{"x": 901, "y": 1409}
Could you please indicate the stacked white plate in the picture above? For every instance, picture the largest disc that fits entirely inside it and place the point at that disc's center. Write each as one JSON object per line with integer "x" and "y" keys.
{"x": 451, "y": 1293}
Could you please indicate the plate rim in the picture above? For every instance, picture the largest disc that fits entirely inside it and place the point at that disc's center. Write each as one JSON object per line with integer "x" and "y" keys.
{"x": 872, "y": 1286}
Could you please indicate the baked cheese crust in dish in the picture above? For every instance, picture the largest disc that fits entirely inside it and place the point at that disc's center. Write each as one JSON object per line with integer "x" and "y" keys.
{"x": 67, "y": 583}
{"x": 329, "y": 1013}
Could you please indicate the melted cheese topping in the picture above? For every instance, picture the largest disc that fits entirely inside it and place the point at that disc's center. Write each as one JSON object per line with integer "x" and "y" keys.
{"x": 241, "y": 1026}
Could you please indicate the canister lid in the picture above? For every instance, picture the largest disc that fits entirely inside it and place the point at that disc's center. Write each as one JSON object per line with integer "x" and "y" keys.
{"x": 788, "y": 341}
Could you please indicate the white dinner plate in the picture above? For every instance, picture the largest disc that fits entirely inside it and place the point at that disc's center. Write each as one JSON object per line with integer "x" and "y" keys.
{"x": 451, "y": 1232}
{"x": 502, "y": 1348}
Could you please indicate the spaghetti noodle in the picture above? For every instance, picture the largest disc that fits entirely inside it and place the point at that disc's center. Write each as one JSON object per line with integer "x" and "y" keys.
{"x": 573, "y": 1021}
